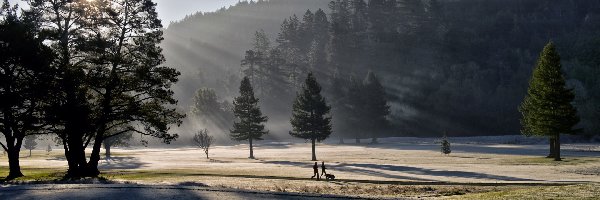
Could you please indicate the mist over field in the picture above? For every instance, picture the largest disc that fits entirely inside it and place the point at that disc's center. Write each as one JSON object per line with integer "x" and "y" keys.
{"x": 456, "y": 67}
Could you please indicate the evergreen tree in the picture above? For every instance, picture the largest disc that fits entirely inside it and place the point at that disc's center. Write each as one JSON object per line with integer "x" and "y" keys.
{"x": 63, "y": 24}
{"x": 30, "y": 143}
{"x": 131, "y": 86}
{"x": 375, "y": 106}
{"x": 275, "y": 77}
{"x": 289, "y": 34}
{"x": 249, "y": 119}
{"x": 261, "y": 48}
{"x": 381, "y": 16}
{"x": 547, "y": 109}
{"x": 25, "y": 75}
{"x": 340, "y": 34}
{"x": 306, "y": 31}
{"x": 337, "y": 95}
{"x": 210, "y": 110}
{"x": 251, "y": 61}
{"x": 111, "y": 75}
{"x": 355, "y": 110}
{"x": 321, "y": 27}
{"x": 318, "y": 51}
{"x": 310, "y": 115}
{"x": 359, "y": 44}
{"x": 261, "y": 43}
{"x": 445, "y": 145}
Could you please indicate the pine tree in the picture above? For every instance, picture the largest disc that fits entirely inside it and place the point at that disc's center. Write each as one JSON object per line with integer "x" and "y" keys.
{"x": 310, "y": 115}
{"x": 337, "y": 95}
{"x": 260, "y": 48}
{"x": 306, "y": 31}
{"x": 547, "y": 110}
{"x": 359, "y": 43}
{"x": 340, "y": 34}
{"x": 353, "y": 105}
{"x": 275, "y": 78}
{"x": 212, "y": 111}
{"x": 251, "y": 61}
{"x": 111, "y": 74}
{"x": 25, "y": 76}
{"x": 30, "y": 143}
{"x": 249, "y": 123}
{"x": 321, "y": 27}
{"x": 261, "y": 43}
{"x": 445, "y": 145}
{"x": 375, "y": 106}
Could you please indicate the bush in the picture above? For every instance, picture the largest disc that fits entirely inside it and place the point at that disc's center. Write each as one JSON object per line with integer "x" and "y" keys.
{"x": 445, "y": 146}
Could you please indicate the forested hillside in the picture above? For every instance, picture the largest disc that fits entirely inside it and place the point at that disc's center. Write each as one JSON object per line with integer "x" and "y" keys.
{"x": 207, "y": 47}
{"x": 459, "y": 66}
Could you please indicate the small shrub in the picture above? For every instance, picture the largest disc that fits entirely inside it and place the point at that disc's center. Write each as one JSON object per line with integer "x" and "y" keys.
{"x": 445, "y": 146}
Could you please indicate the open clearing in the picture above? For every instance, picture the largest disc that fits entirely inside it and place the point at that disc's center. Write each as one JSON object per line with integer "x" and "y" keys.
{"x": 396, "y": 168}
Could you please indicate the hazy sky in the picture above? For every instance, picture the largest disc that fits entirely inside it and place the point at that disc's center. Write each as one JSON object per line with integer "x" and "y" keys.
{"x": 172, "y": 10}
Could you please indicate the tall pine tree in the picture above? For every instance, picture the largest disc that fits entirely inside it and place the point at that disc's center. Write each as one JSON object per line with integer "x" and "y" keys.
{"x": 354, "y": 109}
{"x": 547, "y": 109}
{"x": 375, "y": 106}
{"x": 310, "y": 114}
{"x": 249, "y": 119}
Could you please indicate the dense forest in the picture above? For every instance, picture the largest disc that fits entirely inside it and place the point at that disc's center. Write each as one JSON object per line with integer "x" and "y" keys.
{"x": 460, "y": 67}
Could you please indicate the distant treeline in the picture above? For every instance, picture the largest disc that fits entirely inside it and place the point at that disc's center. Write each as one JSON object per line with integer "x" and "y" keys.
{"x": 457, "y": 66}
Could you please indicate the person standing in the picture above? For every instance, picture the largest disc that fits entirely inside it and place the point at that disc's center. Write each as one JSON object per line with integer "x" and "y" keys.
{"x": 316, "y": 171}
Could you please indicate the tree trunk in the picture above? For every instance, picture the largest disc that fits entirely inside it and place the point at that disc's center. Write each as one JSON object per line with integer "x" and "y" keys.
{"x": 76, "y": 156}
{"x": 13, "y": 163}
{"x": 251, "y": 150}
{"x": 206, "y": 152}
{"x": 557, "y": 148}
{"x": 70, "y": 161}
{"x": 314, "y": 154}
{"x": 357, "y": 141}
{"x": 29, "y": 152}
{"x": 107, "y": 151}
{"x": 91, "y": 169}
{"x": 552, "y": 148}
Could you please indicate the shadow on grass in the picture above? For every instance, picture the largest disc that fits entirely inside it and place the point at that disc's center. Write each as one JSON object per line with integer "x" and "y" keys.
{"x": 121, "y": 163}
{"x": 432, "y": 172}
{"x": 348, "y": 169}
{"x": 500, "y": 149}
{"x": 338, "y": 181}
{"x": 124, "y": 191}
{"x": 382, "y": 170}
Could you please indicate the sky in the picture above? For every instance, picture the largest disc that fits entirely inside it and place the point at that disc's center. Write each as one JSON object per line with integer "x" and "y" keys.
{"x": 173, "y": 10}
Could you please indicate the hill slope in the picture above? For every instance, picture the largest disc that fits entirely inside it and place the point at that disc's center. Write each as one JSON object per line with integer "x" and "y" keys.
{"x": 206, "y": 47}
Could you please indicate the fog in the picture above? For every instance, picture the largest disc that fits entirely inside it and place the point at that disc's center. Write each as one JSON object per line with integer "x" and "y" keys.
{"x": 456, "y": 67}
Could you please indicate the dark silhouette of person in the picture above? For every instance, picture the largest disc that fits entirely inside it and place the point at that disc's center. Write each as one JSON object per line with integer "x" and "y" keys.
{"x": 323, "y": 168}
{"x": 316, "y": 171}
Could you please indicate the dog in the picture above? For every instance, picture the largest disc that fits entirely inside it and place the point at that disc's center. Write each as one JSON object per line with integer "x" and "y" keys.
{"x": 329, "y": 177}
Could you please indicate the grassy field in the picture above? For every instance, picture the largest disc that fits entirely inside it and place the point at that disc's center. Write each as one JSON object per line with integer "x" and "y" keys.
{"x": 580, "y": 192}
{"x": 388, "y": 170}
